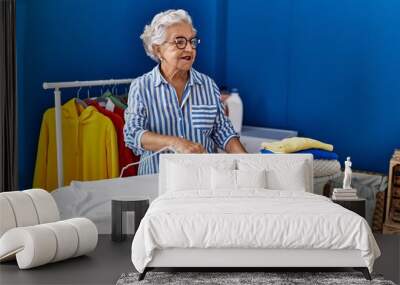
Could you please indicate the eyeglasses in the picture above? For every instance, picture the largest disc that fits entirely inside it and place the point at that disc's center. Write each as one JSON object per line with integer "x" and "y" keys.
{"x": 181, "y": 42}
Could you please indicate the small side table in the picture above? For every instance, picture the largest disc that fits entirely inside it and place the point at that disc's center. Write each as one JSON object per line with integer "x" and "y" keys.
{"x": 355, "y": 205}
{"x": 119, "y": 205}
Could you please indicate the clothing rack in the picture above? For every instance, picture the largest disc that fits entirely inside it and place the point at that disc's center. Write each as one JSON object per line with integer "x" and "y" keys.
{"x": 57, "y": 86}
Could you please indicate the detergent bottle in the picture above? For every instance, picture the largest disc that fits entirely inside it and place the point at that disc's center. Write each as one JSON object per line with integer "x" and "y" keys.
{"x": 235, "y": 107}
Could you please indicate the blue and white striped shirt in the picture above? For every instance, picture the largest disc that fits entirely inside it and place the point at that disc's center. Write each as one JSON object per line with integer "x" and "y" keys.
{"x": 153, "y": 106}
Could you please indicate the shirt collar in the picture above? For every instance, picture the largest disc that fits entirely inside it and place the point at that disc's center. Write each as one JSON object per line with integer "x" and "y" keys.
{"x": 194, "y": 77}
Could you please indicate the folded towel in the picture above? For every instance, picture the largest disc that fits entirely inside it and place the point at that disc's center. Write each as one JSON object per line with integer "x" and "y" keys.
{"x": 321, "y": 154}
{"x": 294, "y": 144}
{"x": 317, "y": 153}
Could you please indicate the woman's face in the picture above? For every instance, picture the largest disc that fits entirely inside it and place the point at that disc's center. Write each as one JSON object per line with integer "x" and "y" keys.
{"x": 174, "y": 57}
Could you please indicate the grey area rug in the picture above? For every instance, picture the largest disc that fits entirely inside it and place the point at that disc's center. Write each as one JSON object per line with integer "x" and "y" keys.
{"x": 233, "y": 278}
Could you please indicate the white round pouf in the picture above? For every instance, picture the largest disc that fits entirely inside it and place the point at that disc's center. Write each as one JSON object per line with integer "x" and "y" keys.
{"x": 31, "y": 233}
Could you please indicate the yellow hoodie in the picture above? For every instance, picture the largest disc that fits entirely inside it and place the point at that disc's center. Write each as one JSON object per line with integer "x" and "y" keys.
{"x": 90, "y": 149}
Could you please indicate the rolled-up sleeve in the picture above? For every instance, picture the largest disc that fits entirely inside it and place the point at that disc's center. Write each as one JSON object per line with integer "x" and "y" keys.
{"x": 223, "y": 129}
{"x": 136, "y": 123}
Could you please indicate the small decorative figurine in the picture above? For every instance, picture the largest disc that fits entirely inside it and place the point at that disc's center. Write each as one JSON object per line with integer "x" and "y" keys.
{"x": 347, "y": 174}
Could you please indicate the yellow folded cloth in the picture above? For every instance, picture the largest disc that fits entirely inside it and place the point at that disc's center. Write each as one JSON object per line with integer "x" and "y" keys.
{"x": 295, "y": 144}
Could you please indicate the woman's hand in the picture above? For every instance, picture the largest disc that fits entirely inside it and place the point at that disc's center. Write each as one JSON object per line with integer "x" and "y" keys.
{"x": 185, "y": 146}
{"x": 154, "y": 142}
{"x": 235, "y": 146}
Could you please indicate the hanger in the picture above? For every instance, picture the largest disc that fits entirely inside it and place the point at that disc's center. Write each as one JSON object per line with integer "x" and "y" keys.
{"x": 113, "y": 89}
{"x": 79, "y": 100}
{"x": 101, "y": 99}
{"x": 123, "y": 95}
{"x": 88, "y": 92}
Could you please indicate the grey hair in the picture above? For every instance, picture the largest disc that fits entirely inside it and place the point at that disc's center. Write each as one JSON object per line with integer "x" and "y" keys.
{"x": 155, "y": 32}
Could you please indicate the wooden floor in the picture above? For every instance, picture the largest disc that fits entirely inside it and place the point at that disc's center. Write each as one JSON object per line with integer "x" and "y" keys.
{"x": 110, "y": 260}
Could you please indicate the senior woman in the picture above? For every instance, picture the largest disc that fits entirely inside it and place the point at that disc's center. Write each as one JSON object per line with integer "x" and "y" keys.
{"x": 173, "y": 104}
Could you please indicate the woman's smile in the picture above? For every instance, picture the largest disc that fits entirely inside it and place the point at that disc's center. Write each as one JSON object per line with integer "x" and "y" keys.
{"x": 187, "y": 58}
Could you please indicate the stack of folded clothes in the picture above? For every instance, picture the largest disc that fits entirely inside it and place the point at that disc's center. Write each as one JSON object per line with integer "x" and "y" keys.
{"x": 344, "y": 194}
{"x": 326, "y": 162}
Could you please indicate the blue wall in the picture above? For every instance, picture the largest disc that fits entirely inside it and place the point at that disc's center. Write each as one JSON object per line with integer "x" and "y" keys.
{"x": 329, "y": 69}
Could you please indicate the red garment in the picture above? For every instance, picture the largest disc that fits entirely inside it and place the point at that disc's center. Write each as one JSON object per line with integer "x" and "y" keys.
{"x": 120, "y": 112}
{"x": 125, "y": 154}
